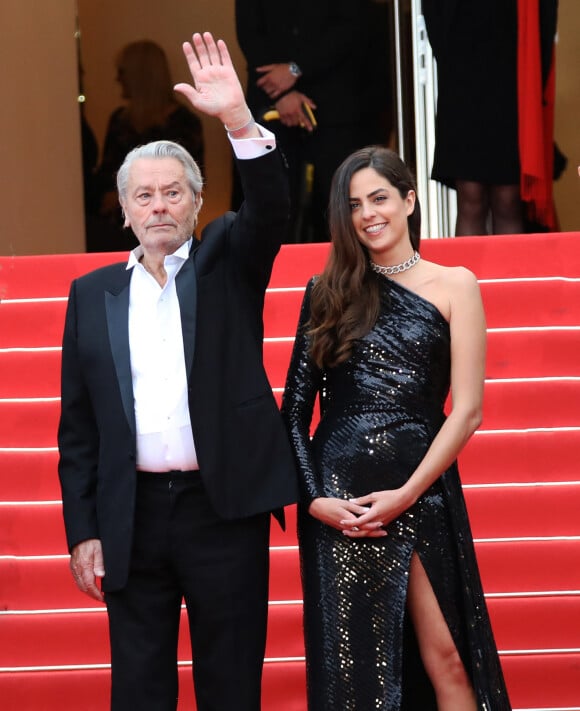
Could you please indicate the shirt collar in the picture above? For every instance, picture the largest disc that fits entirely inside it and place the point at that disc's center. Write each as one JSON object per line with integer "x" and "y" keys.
{"x": 182, "y": 253}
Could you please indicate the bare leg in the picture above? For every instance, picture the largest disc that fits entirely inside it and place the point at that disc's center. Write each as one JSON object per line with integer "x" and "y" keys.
{"x": 441, "y": 660}
{"x": 472, "y": 208}
{"x": 506, "y": 209}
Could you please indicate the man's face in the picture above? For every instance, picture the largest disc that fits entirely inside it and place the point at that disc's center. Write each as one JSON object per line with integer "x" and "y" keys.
{"x": 159, "y": 205}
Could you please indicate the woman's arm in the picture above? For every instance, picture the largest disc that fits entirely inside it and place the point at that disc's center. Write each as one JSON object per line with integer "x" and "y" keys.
{"x": 303, "y": 383}
{"x": 302, "y": 386}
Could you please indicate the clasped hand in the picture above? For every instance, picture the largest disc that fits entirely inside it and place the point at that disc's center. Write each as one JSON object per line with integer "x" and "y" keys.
{"x": 363, "y": 517}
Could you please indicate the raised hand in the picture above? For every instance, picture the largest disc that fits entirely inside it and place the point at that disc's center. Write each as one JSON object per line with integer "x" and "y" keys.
{"x": 216, "y": 89}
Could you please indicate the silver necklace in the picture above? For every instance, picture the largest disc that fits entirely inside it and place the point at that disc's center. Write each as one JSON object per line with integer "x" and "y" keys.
{"x": 396, "y": 268}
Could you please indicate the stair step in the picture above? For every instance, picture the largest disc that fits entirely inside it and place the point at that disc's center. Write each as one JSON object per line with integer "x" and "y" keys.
{"x": 524, "y": 511}
{"x": 555, "y": 254}
{"x": 16, "y": 367}
{"x": 555, "y": 304}
{"x": 489, "y": 257}
{"x": 507, "y": 405}
{"x": 533, "y": 354}
{"x": 526, "y": 354}
{"x": 283, "y": 689}
{"x": 39, "y": 324}
{"x": 524, "y": 456}
{"x": 36, "y": 324}
{"x": 515, "y": 622}
{"x": 56, "y": 638}
{"x": 525, "y": 565}
{"x": 48, "y": 275}
{"x": 522, "y": 404}
{"x": 520, "y": 567}
{"x": 542, "y": 682}
{"x": 488, "y": 458}
{"x": 40, "y": 583}
{"x": 29, "y": 475}
{"x": 29, "y": 423}
{"x": 59, "y": 638}
{"x": 500, "y": 512}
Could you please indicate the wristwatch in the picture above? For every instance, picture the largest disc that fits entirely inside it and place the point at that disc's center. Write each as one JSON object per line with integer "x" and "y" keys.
{"x": 294, "y": 69}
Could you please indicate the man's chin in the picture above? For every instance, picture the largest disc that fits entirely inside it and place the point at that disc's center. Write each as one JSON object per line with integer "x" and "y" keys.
{"x": 161, "y": 228}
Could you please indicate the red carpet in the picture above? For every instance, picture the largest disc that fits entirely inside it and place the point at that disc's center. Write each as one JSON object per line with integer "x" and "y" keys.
{"x": 520, "y": 473}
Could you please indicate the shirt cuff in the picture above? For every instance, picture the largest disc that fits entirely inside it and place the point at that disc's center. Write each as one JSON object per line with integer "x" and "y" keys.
{"x": 255, "y": 147}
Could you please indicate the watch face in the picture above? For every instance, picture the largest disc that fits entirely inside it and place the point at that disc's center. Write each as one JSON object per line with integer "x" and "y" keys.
{"x": 294, "y": 69}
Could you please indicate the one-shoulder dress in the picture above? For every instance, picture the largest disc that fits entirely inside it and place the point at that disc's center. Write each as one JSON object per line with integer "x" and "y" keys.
{"x": 379, "y": 412}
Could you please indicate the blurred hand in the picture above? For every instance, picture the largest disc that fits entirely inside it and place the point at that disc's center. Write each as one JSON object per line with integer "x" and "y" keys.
{"x": 275, "y": 79}
{"x": 291, "y": 110}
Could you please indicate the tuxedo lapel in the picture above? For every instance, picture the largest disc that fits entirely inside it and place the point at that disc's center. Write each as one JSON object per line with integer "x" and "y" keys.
{"x": 186, "y": 287}
{"x": 117, "y": 309}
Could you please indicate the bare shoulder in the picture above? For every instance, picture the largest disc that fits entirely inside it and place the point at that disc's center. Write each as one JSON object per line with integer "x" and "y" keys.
{"x": 456, "y": 281}
{"x": 466, "y": 310}
{"x": 450, "y": 289}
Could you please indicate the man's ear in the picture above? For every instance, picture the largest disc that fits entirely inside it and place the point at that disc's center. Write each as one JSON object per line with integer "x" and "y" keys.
{"x": 198, "y": 204}
{"x": 126, "y": 222}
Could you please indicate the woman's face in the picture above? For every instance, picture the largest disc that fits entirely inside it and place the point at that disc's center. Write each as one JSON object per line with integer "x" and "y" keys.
{"x": 379, "y": 214}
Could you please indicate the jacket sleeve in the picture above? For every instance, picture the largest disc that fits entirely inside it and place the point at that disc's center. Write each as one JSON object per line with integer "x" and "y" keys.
{"x": 262, "y": 220}
{"x": 77, "y": 439}
{"x": 302, "y": 386}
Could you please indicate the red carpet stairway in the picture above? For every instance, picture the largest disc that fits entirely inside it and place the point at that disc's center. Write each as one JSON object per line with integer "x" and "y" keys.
{"x": 520, "y": 472}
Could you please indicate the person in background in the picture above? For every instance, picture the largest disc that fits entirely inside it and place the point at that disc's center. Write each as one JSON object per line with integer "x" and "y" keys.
{"x": 394, "y": 612}
{"x": 311, "y": 54}
{"x": 494, "y": 121}
{"x": 151, "y": 113}
{"x": 173, "y": 454}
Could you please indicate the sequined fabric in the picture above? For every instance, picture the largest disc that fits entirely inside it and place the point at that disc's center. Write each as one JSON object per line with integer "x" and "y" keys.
{"x": 379, "y": 413}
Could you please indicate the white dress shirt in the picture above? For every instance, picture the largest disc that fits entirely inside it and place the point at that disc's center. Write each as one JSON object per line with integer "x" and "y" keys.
{"x": 164, "y": 435}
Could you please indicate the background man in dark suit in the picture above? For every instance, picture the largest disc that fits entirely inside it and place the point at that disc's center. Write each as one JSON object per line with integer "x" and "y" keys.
{"x": 315, "y": 52}
{"x": 172, "y": 451}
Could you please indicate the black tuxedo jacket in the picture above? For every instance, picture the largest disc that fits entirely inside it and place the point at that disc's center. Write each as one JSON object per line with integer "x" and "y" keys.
{"x": 244, "y": 455}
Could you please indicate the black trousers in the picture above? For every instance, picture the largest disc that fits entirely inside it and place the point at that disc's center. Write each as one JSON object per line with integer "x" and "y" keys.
{"x": 183, "y": 550}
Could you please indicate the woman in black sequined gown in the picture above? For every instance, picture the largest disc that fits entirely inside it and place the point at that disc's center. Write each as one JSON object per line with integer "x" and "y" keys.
{"x": 394, "y": 613}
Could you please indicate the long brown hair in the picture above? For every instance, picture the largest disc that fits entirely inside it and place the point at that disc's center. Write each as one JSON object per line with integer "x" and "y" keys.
{"x": 143, "y": 71}
{"x": 345, "y": 298}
